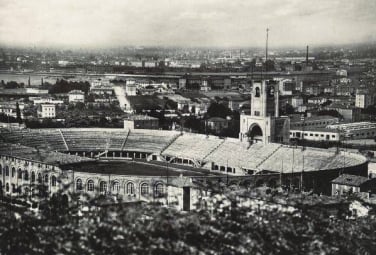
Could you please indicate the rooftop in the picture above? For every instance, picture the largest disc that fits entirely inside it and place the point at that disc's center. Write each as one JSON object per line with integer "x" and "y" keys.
{"x": 350, "y": 180}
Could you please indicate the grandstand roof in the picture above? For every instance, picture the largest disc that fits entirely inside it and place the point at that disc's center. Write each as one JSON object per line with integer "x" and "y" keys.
{"x": 43, "y": 156}
{"x": 129, "y": 168}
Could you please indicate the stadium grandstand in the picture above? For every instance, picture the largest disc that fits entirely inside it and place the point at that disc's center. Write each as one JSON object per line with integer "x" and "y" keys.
{"x": 227, "y": 155}
{"x": 210, "y": 156}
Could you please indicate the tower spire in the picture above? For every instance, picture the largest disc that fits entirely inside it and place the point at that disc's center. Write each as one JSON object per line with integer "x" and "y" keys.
{"x": 266, "y": 47}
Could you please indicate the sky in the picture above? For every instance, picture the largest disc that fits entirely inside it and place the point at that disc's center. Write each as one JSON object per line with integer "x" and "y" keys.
{"x": 186, "y": 23}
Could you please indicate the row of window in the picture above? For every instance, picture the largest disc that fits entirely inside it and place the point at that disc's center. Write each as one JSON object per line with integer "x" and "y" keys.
{"x": 129, "y": 188}
{"x": 305, "y": 124}
{"x": 24, "y": 175}
{"x": 312, "y": 134}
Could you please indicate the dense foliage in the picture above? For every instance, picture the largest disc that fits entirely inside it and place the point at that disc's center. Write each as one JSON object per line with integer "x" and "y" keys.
{"x": 63, "y": 86}
{"x": 151, "y": 229}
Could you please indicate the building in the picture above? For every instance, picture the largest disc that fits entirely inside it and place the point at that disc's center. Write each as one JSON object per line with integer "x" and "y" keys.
{"x": 141, "y": 122}
{"x": 363, "y": 99}
{"x": 27, "y": 172}
{"x": 286, "y": 87}
{"x": 217, "y": 124}
{"x": 261, "y": 126}
{"x": 356, "y": 130}
{"x": 347, "y": 183}
{"x": 76, "y": 96}
{"x": 9, "y": 108}
{"x": 315, "y": 134}
{"x": 130, "y": 89}
{"x": 298, "y": 122}
{"x": 47, "y": 100}
{"x": 46, "y": 111}
{"x": 297, "y": 101}
{"x": 349, "y": 113}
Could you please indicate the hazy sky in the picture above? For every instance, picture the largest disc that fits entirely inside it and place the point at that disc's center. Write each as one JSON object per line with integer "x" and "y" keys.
{"x": 222, "y": 23}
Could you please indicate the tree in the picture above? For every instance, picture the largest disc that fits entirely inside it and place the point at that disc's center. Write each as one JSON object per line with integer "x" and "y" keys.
{"x": 18, "y": 113}
{"x": 218, "y": 110}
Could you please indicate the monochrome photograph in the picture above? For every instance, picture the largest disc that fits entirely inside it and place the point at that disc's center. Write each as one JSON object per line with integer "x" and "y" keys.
{"x": 187, "y": 127}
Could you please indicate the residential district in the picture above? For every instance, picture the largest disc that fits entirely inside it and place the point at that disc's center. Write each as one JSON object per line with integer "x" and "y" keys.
{"x": 174, "y": 126}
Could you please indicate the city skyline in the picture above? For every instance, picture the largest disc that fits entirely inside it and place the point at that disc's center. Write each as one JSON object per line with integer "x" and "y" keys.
{"x": 94, "y": 24}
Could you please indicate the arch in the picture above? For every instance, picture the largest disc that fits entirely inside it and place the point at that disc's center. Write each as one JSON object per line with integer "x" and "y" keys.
{"x": 115, "y": 187}
{"x": 103, "y": 187}
{"x": 144, "y": 189}
{"x": 79, "y": 184}
{"x": 53, "y": 180}
{"x": 271, "y": 91}
{"x": 26, "y": 175}
{"x": 46, "y": 177}
{"x": 255, "y": 132}
{"x": 159, "y": 189}
{"x": 257, "y": 92}
{"x": 90, "y": 185}
{"x": 130, "y": 188}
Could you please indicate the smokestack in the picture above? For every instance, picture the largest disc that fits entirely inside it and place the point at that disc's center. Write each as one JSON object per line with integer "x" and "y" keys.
{"x": 307, "y": 55}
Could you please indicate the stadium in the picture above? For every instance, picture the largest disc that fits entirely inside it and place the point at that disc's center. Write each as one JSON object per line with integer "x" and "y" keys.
{"x": 195, "y": 155}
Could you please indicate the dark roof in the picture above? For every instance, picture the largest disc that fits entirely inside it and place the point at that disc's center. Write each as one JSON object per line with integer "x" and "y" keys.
{"x": 128, "y": 168}
{"x": 350, "y": 180}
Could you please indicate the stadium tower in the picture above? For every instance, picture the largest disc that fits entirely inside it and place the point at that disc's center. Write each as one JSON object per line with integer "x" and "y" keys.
{"x": 264, "y": 123}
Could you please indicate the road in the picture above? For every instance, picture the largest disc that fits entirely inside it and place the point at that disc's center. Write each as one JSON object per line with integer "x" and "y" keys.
{"x": 122, "y": 98}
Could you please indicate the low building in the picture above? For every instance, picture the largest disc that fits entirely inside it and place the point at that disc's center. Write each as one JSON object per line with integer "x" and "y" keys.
{"x": 356, "y": 130}
{"x": 76, "y": 96}
{"x": 9, "y": 108}
{"x": 46, "y": 111}
{"x": 347, "y": 183}
{"x": 141, "y": 122}
{"x": 349, "y": 113}
{"x": 40, "y": 100}
{"x": 217, "y": 124}
{"x": 314, "y": 121}
{"x": 130, "y": 89}
{"x": 315, "y": 134}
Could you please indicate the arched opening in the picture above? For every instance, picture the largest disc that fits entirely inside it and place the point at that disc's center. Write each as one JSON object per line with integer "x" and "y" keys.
{"x": 255, "y": 134}
{"x": 257, "y": 92}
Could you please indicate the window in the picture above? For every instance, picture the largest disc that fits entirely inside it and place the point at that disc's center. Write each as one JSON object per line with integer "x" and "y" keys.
{"x": 144, "y": 189}
{"x": 7, "y": 170}
{"x": 26, "y": 175}
{"x": 103, "y": 187}
{"x": 46, "y": 178}
{"x": 78, "y": 184}
{"x": 130, "y": 188}
{"x": 7, "y": 187}
{"x": 19, "y": 173}
{"x": 90, "y": 185}
{"x": 257, "y": 92}
{"x": 39, "y": 178}
{"x": 32, "y": 177}
{"x": 13, "y": 171}
{"x": 115, "y": 187}
{"x": 158, "y": 190}
{"x": 53, "y": 181}
{"x": 1, "y": 169}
